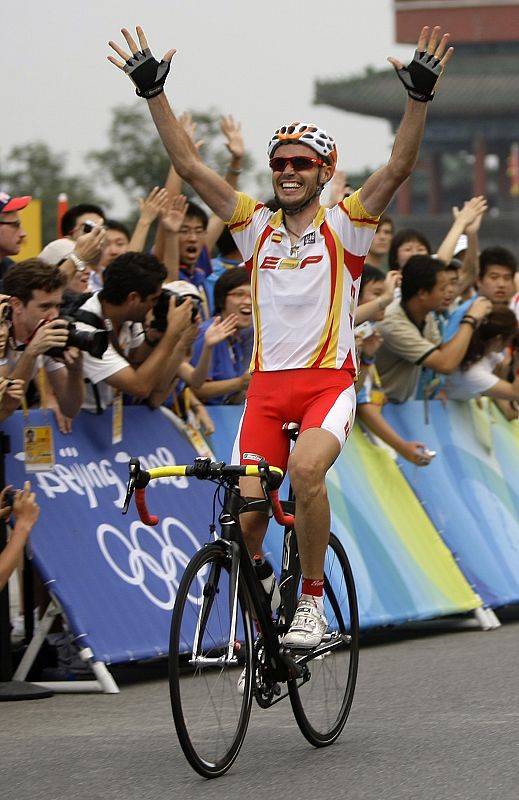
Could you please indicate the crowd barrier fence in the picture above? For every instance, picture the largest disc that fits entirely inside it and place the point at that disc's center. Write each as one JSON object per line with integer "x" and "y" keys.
{"x": 413, "y": 552}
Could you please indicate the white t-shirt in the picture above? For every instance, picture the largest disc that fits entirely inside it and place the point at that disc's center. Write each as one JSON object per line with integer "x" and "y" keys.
{"x": 476, "y": 380}
{"x": 97, "y": 370}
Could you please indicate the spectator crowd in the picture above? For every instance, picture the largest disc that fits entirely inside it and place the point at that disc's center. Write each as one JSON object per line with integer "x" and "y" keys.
{"x": 101, "y": 319}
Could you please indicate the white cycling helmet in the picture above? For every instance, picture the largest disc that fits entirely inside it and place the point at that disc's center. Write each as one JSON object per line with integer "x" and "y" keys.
{"x": 305, "y": 133}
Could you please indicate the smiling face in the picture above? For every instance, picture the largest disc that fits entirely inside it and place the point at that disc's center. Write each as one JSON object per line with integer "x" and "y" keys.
{"x": 291, "y": 188}
{"x": 238, "y": 301}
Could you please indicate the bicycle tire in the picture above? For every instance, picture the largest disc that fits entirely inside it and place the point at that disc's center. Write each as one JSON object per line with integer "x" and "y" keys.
{"x": 210, "y": 714}
{"x": 321, "y": 703}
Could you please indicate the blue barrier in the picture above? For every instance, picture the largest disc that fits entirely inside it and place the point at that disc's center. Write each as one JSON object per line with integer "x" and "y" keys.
{"x": 115, "y": 578}
{"x": 469, "y": 491}
{"x": 402, "y": 569}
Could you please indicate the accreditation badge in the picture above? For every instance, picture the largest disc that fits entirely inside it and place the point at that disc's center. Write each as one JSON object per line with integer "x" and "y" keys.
{"x": 117, "y": 418}
{"x": 38, "y": 445}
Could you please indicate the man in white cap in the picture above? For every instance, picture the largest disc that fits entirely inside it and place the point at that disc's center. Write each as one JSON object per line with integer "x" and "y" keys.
{"x": 11, "y": 232}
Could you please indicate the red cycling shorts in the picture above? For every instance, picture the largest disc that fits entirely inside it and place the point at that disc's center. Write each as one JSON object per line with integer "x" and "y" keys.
{"x": 314, "y": 398}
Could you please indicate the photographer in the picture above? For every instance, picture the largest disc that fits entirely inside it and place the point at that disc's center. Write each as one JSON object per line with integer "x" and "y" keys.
{"x": 35, "y": 293}
{"x": 136, "y": 364}
{"x": 25, "y": 510}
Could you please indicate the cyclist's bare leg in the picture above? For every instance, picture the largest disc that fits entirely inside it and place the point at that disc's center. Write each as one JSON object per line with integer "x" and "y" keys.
{"x": 312, "y": 456}
{"x": 253, "y": 524}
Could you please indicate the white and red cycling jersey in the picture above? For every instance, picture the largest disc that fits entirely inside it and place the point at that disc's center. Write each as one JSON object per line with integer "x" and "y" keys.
{"x": 304, "y": 296}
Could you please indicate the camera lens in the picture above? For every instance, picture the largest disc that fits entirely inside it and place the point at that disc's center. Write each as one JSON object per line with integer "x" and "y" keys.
{"x": 92, "y": 342}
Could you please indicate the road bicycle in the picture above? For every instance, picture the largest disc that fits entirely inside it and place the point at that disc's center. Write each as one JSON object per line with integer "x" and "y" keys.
{"x": 225, "y": 644}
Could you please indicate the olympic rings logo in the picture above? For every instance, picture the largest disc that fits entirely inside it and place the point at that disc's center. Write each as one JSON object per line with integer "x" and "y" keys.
{"x": 152, "y": 565}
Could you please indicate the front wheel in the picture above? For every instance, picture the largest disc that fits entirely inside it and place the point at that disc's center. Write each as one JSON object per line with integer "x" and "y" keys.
{"x": 210, "y": 652}
{"x": 321, "y": 699}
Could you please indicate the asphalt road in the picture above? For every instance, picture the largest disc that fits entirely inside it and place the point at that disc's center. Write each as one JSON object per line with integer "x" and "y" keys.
{"x": 435, "y": 716}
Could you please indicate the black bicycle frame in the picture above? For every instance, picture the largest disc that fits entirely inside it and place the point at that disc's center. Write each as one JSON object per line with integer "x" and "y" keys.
{"x": 283, "y": 667}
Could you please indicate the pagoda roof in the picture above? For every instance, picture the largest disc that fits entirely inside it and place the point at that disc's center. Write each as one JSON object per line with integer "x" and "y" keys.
{"x": 475, "y": 85}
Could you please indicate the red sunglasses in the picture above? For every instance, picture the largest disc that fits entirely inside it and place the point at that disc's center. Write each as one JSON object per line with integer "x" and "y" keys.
{"x": 299, "y": 163}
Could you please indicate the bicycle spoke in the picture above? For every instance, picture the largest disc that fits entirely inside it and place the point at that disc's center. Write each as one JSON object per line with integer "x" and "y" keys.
{"x": 322, "y": 699}
{"x": 210, "y": 714}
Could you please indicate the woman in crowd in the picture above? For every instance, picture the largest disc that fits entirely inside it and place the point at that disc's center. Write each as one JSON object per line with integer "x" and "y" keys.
{"x": 491, "y": 353}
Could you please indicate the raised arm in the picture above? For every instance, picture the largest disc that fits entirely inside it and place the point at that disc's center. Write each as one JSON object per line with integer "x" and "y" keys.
{"x": 149, "y": 77}
{"x": 236, "y": 147}
{"x": 466, "y": 220}
{"x": 419, "y": 78}
{"x": 149, "y": 210}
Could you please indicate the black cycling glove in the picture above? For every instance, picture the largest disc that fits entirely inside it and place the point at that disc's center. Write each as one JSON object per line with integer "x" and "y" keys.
{"x": 148, "y": 74}
{"x": 420, "y": 76}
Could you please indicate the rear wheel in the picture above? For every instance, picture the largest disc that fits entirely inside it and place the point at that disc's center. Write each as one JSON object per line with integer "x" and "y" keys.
{"x": 210, "y": 645}
{"x": 321, "y": 699}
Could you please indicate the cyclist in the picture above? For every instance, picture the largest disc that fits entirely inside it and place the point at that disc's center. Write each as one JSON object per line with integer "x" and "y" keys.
{"x": 305, "y": 262}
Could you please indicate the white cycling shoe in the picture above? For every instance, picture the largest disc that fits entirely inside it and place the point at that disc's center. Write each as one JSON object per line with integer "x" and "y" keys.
{"x": 308, "y": 626}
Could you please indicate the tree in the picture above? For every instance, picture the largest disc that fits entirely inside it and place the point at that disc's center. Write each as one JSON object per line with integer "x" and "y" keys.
{"x": 35, "y": 169}
{"x": 135, "y": 159}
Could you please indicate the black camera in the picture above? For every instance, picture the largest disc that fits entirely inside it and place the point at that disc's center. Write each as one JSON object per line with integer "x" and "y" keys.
{"x": 88, "y": 226}
{"x": 8, "y": 497}
{"x": 160, "y": 309}
{"x": 92, "y": 342}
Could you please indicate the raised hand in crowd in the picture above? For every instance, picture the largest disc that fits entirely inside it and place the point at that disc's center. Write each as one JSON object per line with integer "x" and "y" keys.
{"x": 235, "y": 145}
{"x": 233, "y": 134}
{"x": 220, "y": 329}
{"x": 173, "y": 213}
{"x": 373, "y": 310}
{"x": 88, "y": 248}
{"x": 339, "y": 188}
{"x": 25, "y": 511}
{"x": 467, "y": 220}
{"x": 172, "y": 217}
{"x": 217, "y": 331}
{"x": 188, "y": 123}
{"x": 149, "y": 209}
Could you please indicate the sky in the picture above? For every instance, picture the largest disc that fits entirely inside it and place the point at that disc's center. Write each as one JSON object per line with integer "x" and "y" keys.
{"x": 256, "y": 61}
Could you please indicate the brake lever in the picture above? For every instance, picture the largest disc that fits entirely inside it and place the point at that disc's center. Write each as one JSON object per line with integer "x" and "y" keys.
{"x": 134, "y": 468}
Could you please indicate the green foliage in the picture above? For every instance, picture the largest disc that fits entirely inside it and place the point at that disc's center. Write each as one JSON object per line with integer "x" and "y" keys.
{"x": 35, "y": 169}
{"x": 135, "y": 159}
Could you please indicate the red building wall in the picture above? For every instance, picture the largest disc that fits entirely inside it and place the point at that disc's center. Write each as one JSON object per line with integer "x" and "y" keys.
{"x": 469, "y": 21}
